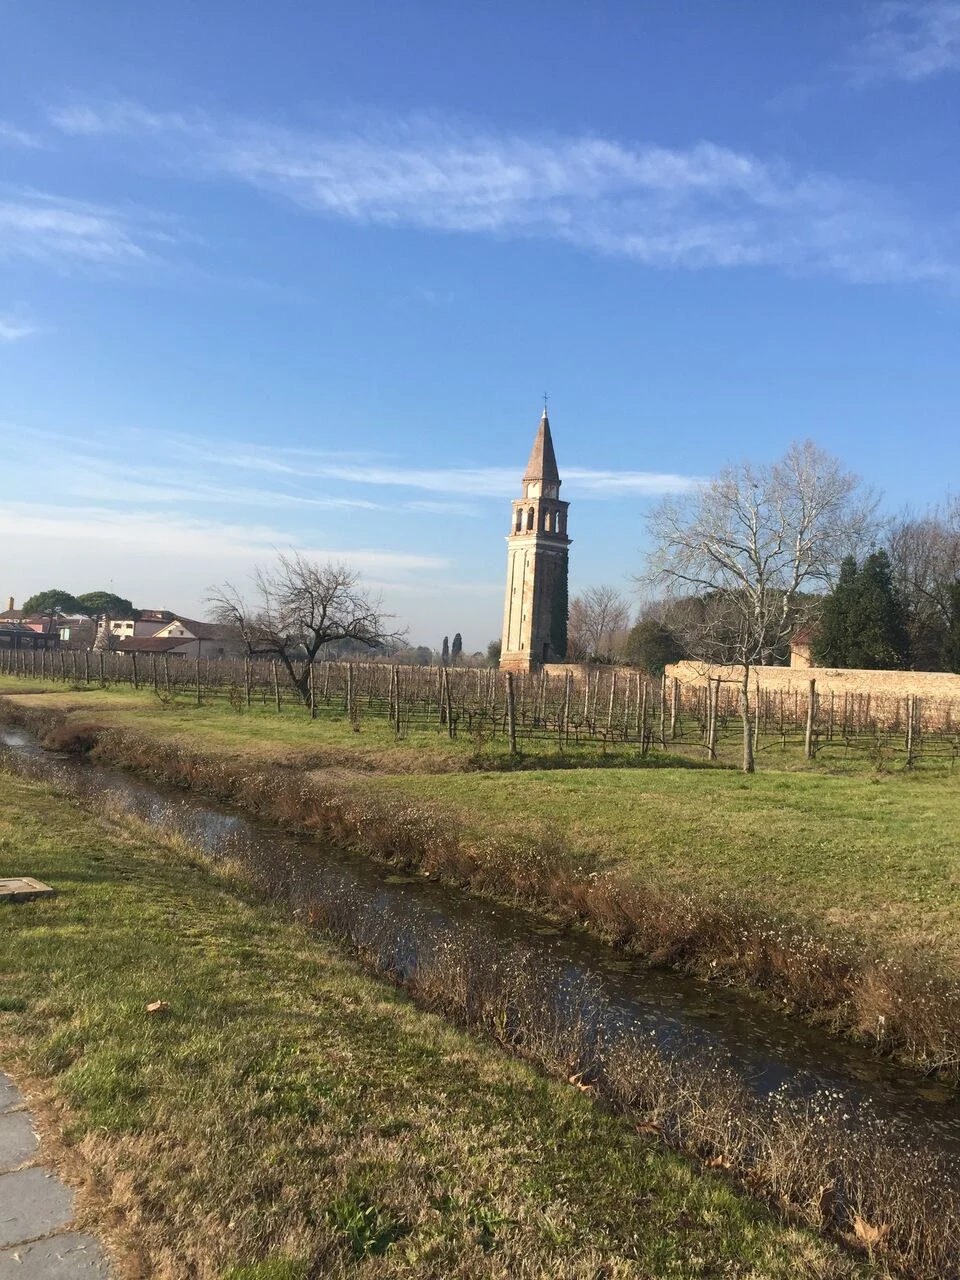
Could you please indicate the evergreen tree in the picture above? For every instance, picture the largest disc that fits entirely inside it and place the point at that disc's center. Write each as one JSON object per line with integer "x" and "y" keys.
{"x": 445, "y": 652}
{"x": 831, "y": 644}
{"x": 456, "y": 648}
{"x": 653, "y": 646}
{"x": 52, "y": 601}
{"x": 878, "y": 636}
{"x": 93, "y": 603}
{"x": 951, "y": 644}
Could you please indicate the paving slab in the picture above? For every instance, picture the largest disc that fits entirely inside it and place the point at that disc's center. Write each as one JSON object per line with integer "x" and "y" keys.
{"x": 18, "y": 1141}
{"x": 66, "y": 1257}
{"x": 33, "y": 1203}
{"x": 10, "y": 1095}
{"x": 22, "y": 888}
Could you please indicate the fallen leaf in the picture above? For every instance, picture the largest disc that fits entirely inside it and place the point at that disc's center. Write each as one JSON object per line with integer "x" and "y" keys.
{"x": 867, "y": 1234}
{"x": 577, "y": 1082}
{"x": 718, "y": 1162}
{"x": 158, "y": 1006}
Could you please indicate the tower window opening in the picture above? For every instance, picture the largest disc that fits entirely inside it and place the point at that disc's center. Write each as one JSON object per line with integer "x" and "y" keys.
{"x": 530, "y": 516}
{"x": 547, "y": 521}
{"x": 519, "y": 525}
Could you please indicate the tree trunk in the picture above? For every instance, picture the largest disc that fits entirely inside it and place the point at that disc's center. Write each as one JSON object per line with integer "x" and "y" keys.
{"x": 748, "y": 760}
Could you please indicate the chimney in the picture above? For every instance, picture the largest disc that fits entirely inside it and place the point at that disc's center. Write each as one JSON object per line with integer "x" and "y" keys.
{"x": 10, "y": 603}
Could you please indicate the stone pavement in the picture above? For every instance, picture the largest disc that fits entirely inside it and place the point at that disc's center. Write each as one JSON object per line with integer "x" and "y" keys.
{"x": 36, "y": 1208}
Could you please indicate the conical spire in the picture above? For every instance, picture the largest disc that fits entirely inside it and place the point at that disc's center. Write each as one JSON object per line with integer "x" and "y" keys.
{"x": 543, "y": 461}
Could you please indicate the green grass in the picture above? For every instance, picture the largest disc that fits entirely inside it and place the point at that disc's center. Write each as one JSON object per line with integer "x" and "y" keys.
{"x": 869, "y": 851}
{"x": 331, "y": 739}
{"x": 291, "y": 1116}
{"x": 876, "y": 853}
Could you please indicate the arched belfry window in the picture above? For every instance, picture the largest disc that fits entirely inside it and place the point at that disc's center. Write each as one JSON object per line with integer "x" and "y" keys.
{"x": 519, "y": 521}
{"x": 530, "y": 518}
{"x": 547, "y": 521}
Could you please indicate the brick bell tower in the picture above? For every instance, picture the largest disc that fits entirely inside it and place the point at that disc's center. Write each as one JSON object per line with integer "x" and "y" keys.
{"x": 535, "y": 611}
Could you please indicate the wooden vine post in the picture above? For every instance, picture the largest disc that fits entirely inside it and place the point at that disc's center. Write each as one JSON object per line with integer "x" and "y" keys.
{"x": 447, "y": 702}
{"x": 511, "y": 714}
{"x": 811, "y": 715}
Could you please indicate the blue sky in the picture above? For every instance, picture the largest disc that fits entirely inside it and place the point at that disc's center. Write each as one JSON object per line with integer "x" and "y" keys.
{"x": 297, "y": 275}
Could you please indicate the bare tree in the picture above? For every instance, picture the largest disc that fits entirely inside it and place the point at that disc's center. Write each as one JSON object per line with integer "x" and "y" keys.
{"x": 299, "y": 607}
{"x": 925, "y": 555}
{"x": 746, "y": 545}
{"x": 599, "y": 618}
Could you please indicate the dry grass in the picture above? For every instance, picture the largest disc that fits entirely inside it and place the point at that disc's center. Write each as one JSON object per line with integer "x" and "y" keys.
{"x": 290, "y": 1117}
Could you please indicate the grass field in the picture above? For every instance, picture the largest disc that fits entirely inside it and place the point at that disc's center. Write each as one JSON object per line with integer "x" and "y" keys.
{"x": 290, "y": 1116}
{"x": 876, "y": 852}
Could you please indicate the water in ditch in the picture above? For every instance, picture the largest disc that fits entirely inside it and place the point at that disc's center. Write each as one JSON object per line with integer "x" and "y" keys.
{"x": 587, "y": 981}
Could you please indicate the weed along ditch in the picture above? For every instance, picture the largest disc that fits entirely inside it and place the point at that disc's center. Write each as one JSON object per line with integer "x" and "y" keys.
{"x": 845, "y": 1139}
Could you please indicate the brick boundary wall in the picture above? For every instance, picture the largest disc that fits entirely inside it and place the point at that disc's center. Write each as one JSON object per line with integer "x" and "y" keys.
{"x": 881, "y": 695}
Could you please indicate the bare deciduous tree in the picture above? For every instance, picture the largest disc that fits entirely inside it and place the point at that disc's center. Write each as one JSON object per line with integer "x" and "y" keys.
{"x": 299, "y": 607}
{"x": 599, "y": 618}
{"x": 925, "y": 555}
{"x": 747, "y": 545}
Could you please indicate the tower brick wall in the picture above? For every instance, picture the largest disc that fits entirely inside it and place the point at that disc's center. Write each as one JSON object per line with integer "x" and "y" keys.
{"x": 535, "y": 605}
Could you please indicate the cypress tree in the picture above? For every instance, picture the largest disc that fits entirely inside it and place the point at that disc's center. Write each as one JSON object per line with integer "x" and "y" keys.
{"x": 878, "y": 636}
{"x": 456, "y": 648}
{"x": 831, "y": 643}
{"x": 445, "y": 651}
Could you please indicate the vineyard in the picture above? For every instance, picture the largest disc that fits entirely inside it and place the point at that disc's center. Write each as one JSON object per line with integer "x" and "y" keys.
{"x": 608, "y": 709}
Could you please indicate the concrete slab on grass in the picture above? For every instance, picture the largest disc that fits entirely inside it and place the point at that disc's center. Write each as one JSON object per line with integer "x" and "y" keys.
{"x": 33, "y": 1203}
{"x": 66, "y": 1257}
{"x": 20, "y": 888}
{"x": 18, "y": 1142}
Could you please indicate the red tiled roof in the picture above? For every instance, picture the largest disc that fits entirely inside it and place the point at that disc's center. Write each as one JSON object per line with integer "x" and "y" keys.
{"x": 147, "y": 644}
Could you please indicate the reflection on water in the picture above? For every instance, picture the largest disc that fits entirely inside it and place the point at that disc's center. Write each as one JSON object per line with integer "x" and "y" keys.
{"x": 585, "y": 980}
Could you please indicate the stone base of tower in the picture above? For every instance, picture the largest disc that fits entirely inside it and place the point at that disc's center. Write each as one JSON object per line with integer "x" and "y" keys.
{"x": 525, "y": 661}
{"x": 518, "y": 662}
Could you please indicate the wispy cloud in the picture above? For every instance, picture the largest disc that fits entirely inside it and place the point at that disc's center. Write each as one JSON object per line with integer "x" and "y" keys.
{"x": 197, "y": 475}
{"x": 12, "y": 329}
{"x": 909, "y": 40}
{"x": 12, "y": 136}
{"x": 51, "y": 228}
{"x": 186, "y": 537}
{"x": 701, "y": 206}
{"x": 464, "y": 481}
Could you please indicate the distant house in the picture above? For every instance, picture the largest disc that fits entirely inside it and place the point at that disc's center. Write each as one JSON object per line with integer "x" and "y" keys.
{"x": 801, "y": 647}
{"x": 21, "y": 635}
{"x": 148, "y": 645}
{"x": 147, "y": 623}
{"x": 202, "y": 639}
